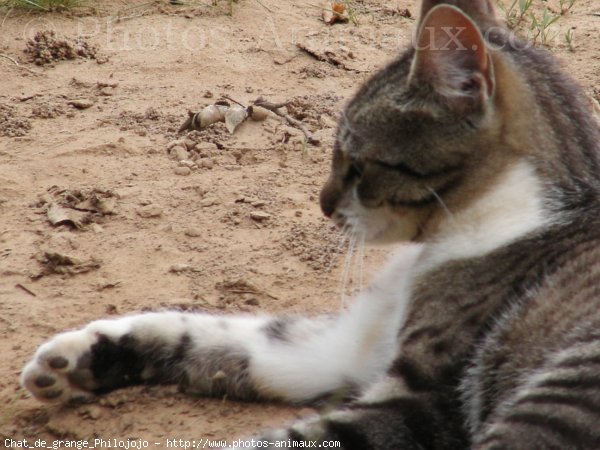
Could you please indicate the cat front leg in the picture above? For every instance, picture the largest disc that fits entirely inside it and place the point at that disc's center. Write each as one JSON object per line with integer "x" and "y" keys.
{"x": 295, "y": 359}
{"x": 203, "y": 354}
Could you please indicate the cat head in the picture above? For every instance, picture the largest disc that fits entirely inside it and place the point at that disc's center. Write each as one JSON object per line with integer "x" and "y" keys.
{"x": 408, "y": 140}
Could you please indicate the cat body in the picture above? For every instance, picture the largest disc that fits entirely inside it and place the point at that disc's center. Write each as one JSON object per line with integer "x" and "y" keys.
{"x": 482, "y": 332}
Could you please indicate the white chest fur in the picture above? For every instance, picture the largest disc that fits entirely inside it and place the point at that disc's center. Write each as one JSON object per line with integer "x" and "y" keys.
{"x": 512, "y": 208}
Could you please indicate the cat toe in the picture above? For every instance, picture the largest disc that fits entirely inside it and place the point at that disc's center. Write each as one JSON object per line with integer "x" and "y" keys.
{"x": 58, "y": 362}
{"x": 44, "y": 381}
{"x": 60, "y": 370}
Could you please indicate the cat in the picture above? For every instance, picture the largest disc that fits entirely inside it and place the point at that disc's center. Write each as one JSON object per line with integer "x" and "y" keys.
{"x": 483, "y": 332}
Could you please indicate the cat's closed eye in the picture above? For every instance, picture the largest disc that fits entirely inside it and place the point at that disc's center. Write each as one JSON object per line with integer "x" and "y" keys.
{"x": 401, "y": 168}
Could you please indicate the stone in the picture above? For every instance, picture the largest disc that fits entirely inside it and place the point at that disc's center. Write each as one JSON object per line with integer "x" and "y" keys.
{"x": 206, "y": 163}
{"x": 179, "y": 153}
{"x": 149, "y": 211}
{"x": 82, "y": 103}
{"x": 260, "y": 216}
{"x": 183, "y": 171}
{"x": 193, "y": 232}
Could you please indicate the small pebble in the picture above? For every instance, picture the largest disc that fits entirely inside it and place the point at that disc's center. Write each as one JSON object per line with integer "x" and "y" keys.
{"x": 205, "y": 146}
{"x": 178, "y": 268}
{"x": 179, "y": 153}
{"x": 260, "y": 216}
{"x": 97, "y": 228}
{"x": 189, "y": 143}
{"x": 206, "y": 163}
{"x": 174, "y": 143}
{"x": 193, "y": 232}
{"x": 149, "y": 211}
{"x": 208, "y": 202}
{"x": 188, "y": 163}
{"x": 183, "y": 171}
{"x": 82, "y": 103}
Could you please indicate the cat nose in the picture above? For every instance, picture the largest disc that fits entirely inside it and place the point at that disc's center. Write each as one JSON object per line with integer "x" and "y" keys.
{"x": 328, "y": 208}
{"x": 328, "y": 202}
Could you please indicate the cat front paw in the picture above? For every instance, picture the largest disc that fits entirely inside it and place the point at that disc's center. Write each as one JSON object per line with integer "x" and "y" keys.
{"x": 60, "y": 370}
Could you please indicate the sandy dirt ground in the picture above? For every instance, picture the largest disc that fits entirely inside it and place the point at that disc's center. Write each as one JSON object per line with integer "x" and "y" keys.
{"x": 234, "y": 228}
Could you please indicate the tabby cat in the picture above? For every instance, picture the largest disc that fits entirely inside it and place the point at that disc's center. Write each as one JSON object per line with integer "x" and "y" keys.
{"x": 483, "y": 332}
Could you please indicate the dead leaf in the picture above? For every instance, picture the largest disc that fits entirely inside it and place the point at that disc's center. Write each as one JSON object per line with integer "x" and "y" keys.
{"x": 325, "y": 55}
{"x": 58, "y": 215}
{"x": 205, "y": 117}
{"x": 235, "y": 116}
{"x": 58, "y": 263}
{"x": 212, "y": 114}
{"x": 98, "y": 202}
{"x": 335, "y": 12}
{"x": 75, "y": 208}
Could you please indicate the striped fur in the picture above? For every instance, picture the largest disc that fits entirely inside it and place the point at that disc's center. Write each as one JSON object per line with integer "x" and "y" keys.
{"x": 484, "y": 334}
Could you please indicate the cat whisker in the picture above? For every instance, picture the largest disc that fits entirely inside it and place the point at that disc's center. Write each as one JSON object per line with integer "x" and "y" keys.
{"x": 361, "y": 260}
{"x": 352, "y": 277}
{"x": 357, "y": 267}
{"x": 352, "y": 240}
{"x": 331, "y": 259}
{"x": 442, "y": 204}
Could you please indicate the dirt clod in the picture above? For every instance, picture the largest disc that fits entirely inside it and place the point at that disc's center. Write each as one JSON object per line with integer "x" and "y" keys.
{"x": 47, "y": 111}
{"x": 46, "y": 47}
{"x": 11, "y": 125}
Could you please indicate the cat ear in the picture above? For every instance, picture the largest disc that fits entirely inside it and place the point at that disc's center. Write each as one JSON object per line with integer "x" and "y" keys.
{"x": 481, "y": 11}
{"x": 451, "y": 58}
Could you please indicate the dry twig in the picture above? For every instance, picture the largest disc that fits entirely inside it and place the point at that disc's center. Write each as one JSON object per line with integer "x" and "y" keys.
{"x": 16, "y": 63}
{"x": 26, "y": 289}
{"x": 274, "y": 107}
